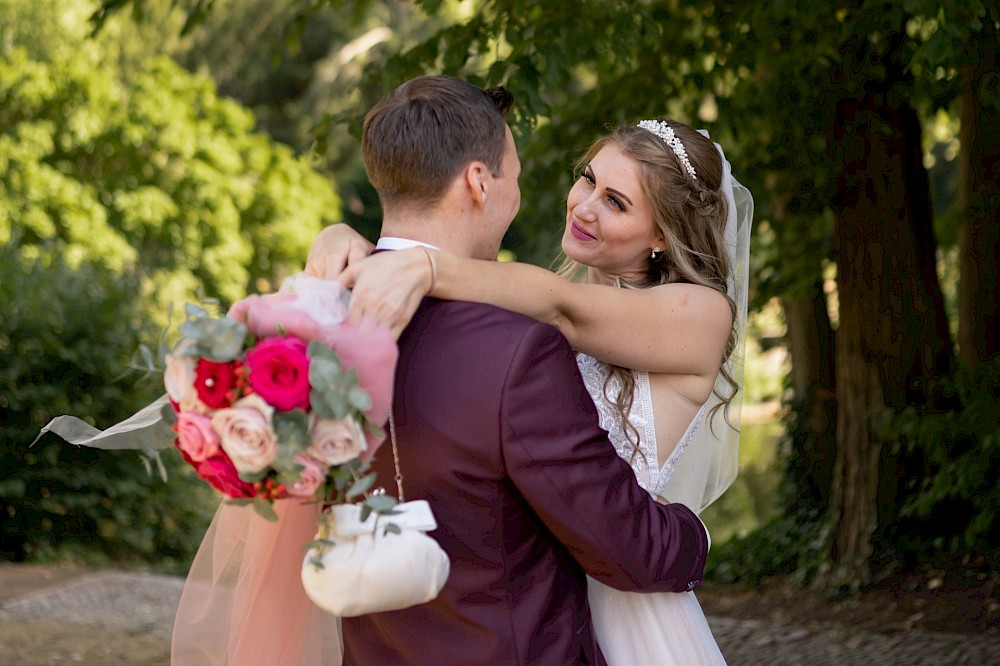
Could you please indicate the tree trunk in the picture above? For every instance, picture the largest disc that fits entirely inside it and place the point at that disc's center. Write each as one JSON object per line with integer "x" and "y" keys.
{"x": 979, "y": 205}
{"x": 893, "y": 334}
{"x": 810, "y": 342}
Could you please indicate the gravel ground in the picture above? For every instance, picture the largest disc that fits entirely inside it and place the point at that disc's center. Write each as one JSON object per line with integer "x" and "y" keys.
{"x": 114, "y": 617}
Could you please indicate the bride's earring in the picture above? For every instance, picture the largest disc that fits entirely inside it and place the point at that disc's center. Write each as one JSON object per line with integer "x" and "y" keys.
{"x": 656, "y": 254}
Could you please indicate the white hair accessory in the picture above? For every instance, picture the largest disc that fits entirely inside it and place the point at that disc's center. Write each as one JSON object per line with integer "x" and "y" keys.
{"x": 666, "y": 133}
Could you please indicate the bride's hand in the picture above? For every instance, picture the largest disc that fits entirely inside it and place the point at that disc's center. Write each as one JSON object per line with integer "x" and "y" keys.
{"x": 386, "y": 288}
{"x": 335, "y": 248}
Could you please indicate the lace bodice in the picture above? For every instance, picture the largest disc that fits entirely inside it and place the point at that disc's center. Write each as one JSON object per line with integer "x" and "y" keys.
{"x": 648, "y": 472}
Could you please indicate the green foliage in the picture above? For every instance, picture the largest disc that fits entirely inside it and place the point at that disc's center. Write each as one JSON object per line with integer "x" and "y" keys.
{"x": 335, "y": 392}
{"x": 954, "y": 510}
{"x": 65, "y": 338}
{"x": 218, "y": 339}
{"x": 126, "y": 183}
{"x": 154, "y": 170}
{"x": 789, "y": 546}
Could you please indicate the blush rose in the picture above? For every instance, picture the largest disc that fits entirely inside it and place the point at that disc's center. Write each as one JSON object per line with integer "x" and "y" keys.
{"x": 246, "y": 434}
{"x": 335, "y": 442}
{"x": 196, "y": 437}
{"x": 311, "y": 477}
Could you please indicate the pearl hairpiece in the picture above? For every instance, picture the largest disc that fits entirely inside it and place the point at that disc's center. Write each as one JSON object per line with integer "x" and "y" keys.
{"x": 666, "y": 133}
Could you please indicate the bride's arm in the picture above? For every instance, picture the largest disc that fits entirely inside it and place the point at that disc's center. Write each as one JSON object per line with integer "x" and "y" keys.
{"x": 334, "y": 248}
{"x": 675, "y": 328}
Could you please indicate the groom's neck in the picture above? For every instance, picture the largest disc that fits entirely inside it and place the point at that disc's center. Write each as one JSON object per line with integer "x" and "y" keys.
{"x": 432, "y": 230}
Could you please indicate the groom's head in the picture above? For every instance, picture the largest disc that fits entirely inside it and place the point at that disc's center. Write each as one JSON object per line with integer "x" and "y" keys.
{"x": 436, "y": 137}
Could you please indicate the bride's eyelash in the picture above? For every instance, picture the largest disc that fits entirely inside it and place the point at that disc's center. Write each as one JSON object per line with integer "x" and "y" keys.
{"x": 588, "y": 176}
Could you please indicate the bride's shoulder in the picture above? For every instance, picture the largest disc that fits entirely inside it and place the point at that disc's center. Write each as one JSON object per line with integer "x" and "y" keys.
{"x": 711, "y": 306}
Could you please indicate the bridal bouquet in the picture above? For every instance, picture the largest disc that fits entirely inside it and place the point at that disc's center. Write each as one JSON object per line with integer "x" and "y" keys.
{"x": 281, "y": 398}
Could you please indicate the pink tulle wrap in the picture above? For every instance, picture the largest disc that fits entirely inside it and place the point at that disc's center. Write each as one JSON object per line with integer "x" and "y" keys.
{"x": 243, "y": 601}
{"x": 314, "y": 309}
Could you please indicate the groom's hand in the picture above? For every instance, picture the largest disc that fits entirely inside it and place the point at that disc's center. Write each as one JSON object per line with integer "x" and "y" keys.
{"x": 335, "y": 248}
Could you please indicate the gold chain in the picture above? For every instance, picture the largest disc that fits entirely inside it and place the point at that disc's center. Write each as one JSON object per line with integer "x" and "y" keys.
{"x": 395, "y": 456}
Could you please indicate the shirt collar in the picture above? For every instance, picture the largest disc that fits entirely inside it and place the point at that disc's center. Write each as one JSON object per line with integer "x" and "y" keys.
{"x": 394, "y": 243}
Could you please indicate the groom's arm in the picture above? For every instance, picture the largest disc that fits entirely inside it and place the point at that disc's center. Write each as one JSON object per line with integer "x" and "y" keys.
{"x": 563, "y": 464}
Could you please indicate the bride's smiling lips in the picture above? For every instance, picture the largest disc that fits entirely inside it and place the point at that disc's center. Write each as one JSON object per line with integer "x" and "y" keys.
{"x": 579, "y": 233}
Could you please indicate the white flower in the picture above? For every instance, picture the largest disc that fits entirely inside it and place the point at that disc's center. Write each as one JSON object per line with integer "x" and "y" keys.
{"x": 335, "y": 441}
{"x": 178, "y": 379}
{"x": 325, "y": 301}
{"x": 246, "y": 434}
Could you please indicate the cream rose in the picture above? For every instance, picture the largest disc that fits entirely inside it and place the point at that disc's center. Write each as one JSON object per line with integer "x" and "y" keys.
{"x": 246, "y": 434}
{"x": 178, "y": 379}
{"x": 335, "y": 441}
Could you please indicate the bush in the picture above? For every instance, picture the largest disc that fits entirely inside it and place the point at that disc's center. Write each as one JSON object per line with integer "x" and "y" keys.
{"x": 954, "y": 510}
{"x": 65, "y": 339}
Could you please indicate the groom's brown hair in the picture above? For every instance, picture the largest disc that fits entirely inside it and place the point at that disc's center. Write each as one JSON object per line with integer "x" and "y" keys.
{"x": 417, "y": 139}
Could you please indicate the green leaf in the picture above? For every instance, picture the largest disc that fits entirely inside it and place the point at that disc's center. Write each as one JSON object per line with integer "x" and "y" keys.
{"x": 392, "y": 528}
{"x": 265, "y": 510}
{"x": 168, "y": 415}
{"x": 316, "y": 543}
{"x": 254, "y": 477}
{"x": 380, "y": 503}
{"x": 292, "y": 430}
{"x": 361, "y": 486}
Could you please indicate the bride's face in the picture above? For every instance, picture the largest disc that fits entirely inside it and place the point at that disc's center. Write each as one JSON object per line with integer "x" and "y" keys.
{"x": 609, "y": 222}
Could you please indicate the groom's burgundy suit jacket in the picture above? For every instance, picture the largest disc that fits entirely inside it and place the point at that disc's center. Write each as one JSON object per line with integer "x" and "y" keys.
{"x": 496, "y": 430}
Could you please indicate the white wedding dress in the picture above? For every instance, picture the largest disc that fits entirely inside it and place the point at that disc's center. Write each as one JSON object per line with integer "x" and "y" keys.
{"x": 637, "y": 629}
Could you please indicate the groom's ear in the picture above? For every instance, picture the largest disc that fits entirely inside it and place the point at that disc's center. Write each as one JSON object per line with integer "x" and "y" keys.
{"x": 477, "y": 180}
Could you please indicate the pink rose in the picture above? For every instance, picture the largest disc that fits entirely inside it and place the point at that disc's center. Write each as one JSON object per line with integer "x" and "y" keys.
{"x": 279, "y": 372}
{"x": 311, "y": 477}
{"x": 246, "y": 434}
{"x": 335, "y": 441}
{"x": 179, "y": 379}
{"x": 195, "y": 436}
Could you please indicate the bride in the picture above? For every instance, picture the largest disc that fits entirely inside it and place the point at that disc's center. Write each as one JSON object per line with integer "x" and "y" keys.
{"x": 660, "y": 229}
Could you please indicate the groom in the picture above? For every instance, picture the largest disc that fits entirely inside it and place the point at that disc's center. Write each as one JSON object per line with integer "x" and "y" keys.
{"x": 494, "y": 426}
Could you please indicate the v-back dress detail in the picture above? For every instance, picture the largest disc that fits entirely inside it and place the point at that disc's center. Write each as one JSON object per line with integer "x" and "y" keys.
{"x": 644, "y": 629}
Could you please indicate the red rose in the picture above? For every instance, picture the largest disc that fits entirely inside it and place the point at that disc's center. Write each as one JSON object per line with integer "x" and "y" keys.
{"x": 216, "y": 382}
{"x": 220, "y": 473}
{"x": 279, "y": 372}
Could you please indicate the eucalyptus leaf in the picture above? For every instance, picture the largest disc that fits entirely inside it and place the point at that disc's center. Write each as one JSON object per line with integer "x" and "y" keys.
{"x": 251, "y": 477}
{"x": 392, "y": 528}
{"x": 292, "y": 430}
{"x": 317, "y": 543}
{"x": 168, "y": 415}
{"x": 359, "y": 399}
{"x": 192, "y": 311}
{"x": 361, "y": 486}
{"x": 380, "y": 503}
{"x": 265, "y": 510}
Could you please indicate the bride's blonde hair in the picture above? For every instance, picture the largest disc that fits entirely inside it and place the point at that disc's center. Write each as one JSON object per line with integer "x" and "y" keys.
{"x": 691, "y": 214}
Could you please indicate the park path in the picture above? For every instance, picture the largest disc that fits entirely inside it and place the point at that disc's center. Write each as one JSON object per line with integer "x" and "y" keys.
{"x": 128, "y": 605}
